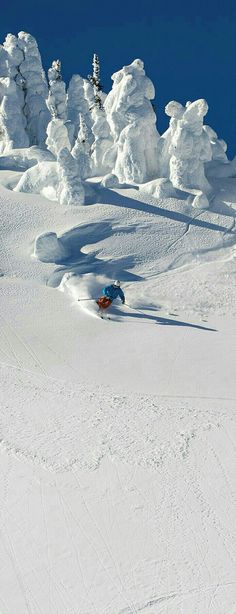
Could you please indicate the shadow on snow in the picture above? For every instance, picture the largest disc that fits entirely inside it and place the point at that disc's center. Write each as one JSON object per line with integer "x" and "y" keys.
{"x": 159, "y": 320}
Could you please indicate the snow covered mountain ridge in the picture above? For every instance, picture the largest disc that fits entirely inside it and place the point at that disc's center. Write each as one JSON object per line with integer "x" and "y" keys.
{"x": 91, "y": 134}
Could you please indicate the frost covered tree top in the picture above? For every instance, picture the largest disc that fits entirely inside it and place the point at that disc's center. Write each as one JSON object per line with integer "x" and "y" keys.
{"x": 94, "y": 79}
{"x": 54, "y": 73}
{"x": 56, "y": 101}
{"x": 134, "y": 77}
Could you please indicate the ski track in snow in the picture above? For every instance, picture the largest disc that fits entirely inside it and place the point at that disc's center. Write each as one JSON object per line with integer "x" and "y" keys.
{"x": 64, "y": 434}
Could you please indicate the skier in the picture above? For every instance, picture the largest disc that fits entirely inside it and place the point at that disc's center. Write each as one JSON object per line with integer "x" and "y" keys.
{"x": 109, "y": 294}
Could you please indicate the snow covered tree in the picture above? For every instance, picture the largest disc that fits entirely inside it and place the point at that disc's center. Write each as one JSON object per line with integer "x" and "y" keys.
{"x": 35, "y": 89}
{"x": 70, "y": 189}
{"x": 16, "y": 57}
{"x": 175, "y": 111}
{"x": 102, "y": 139}
{"x": 83, "y": 131}
{"x": 134, "y": 156}
{"x": 58, "y": 135}
{"x": 218, "y": 146}
{"x": 56, "y": 101}
{"x": 12, "y": 120}
{"x": 81, "y": 150}
{"x": 94, "y": 79}
{"x": 190, "y": 148}
{"x": 77, "y": 104}
{"x": 102, "y": 142}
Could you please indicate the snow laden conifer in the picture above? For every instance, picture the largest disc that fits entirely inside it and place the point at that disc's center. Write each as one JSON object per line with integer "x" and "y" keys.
{"x": 77, "y": 104}
{"x": 190, "y": 149}
{"x": 81, "y": 150}
{"x": 35, "y": 89}
{"x": 218, "y": 146}
{"x": 70, "y": 190}
{"x": 102, "y": 139}
{"x": 95, "y": 81}
{"x": 57, "y": 136}
{"x": 16, "y": 57}
{"x": 57, "y": 130}
{"x": 12, "y": 120}
{"x": 132, "y": 121}
{"x": 56, "y": 101}
{"x": 175, "y": 111}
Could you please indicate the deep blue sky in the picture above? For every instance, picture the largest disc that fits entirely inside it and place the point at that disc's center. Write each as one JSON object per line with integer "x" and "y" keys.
{"x": 189, "y": 48}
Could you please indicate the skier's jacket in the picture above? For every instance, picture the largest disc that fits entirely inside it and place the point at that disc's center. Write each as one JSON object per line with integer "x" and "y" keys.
{"x": 113, "y": 292}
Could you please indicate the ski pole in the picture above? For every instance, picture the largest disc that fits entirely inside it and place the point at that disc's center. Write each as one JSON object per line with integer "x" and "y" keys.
{"x": 86, "y": 299}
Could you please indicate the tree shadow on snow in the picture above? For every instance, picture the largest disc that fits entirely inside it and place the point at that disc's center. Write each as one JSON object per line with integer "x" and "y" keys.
{"x": 110, "y": 197}
{"x": 81, "y": 263}
{"x": 159, "y": 320}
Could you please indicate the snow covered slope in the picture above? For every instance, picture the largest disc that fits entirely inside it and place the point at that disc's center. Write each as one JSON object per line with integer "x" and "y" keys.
{"x": 117, "y": 480}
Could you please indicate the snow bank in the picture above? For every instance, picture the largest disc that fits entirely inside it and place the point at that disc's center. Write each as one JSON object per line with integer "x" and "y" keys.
{"x": 160, "y": 188}
{"x": 110, "y": 181}
{"x": 134, "y": 158}
{"x": 57, "y": 180}
{"x": 36, "y": 179}
{"x": 22, "y": 159}
{"x": 49, "y": 248}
